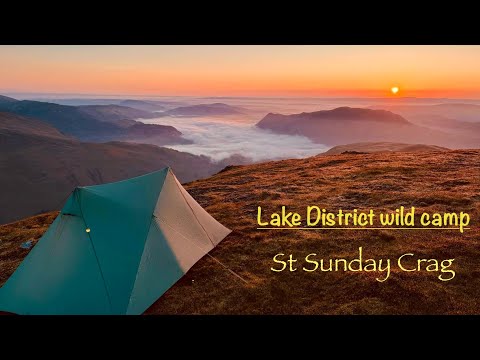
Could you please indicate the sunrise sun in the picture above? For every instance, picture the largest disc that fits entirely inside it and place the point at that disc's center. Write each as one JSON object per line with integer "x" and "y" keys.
{"x": 394, "y": 90}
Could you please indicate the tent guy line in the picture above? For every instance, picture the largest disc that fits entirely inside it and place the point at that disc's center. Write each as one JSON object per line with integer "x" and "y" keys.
{"x": 208, "y": 254}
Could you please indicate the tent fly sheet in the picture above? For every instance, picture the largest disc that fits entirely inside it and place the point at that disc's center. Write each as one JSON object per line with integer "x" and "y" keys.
{"x": 113, "y": 249}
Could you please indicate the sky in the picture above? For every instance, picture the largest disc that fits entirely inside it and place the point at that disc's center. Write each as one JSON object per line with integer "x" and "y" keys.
{"x": 336, "y": 71}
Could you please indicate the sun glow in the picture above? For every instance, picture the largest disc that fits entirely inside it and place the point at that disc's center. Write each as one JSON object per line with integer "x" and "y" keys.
{"x": 244, "y": 70}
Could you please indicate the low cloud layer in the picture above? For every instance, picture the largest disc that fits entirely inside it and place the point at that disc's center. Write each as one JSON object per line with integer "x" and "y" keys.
{"x": 221, "y": 139}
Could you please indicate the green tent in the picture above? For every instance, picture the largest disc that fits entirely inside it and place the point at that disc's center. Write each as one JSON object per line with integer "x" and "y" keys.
{"x": 113, "y": 249}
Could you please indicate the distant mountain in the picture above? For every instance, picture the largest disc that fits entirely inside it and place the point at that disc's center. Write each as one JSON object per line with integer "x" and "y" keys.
{"x": 119, "y": 115}
{"x": 137, "y": 104}
{"x": 153, "y": 134}
{"x": 78, "y": 101}
{"x": 351, "y": 125}
{"x": 343, "y": 114}
{"x": 370, "y": 147}
{"x": 7, "y": 100}
{"x": 216, "y": 109}
{"x": 68, "y": 119}
{"x": 444, "y": 123}
{"x": 461, "y": 120}
{"x": 143, "y": 105}
{"x": 40, "y": 166}
{"x": 461, "y": 112}
{"x": 96, "y": 122}
{"x": 464, "y": 112}
{"x": 340, "y": 125}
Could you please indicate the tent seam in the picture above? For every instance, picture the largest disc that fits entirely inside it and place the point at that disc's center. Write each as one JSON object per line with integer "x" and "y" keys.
{"x": 95, "y": 253}
{"x": 138, "y": 268}
{"x": 191, "y": 209}
{"x": 144, "y": 242}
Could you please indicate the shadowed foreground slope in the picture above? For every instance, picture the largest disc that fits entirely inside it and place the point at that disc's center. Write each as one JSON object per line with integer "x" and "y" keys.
{"x": 40, "y": 166}
{"x": 430, "y": 181}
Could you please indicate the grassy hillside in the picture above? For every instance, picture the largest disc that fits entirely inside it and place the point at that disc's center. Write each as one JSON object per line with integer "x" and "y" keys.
{"x": 369, "y": 147}
{"x": 431, "y": 181}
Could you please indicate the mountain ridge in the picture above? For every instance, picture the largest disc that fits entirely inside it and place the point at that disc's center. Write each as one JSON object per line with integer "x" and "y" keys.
{"x": 370, "y": 147}
{"x": 352, "y": 125}
{"x": 93, "y": 122}
{"x": 214, "y": 109}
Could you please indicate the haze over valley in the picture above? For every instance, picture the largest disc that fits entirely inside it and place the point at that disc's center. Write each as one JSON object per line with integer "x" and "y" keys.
{"x": 255, "y": 128}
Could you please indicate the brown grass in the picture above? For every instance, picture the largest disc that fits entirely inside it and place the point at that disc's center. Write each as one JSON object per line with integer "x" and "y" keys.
{"x": 431, "y": 181}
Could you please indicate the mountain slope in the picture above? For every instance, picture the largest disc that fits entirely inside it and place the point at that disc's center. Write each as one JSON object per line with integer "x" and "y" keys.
{"x": 120, "y": 115}
{"x": 40, "y": 166}
{"x": 94, "y": 123}
{"x": 67, "y": 119}
{"x": 351, "y": 125}
{"x": 23, "y": 125}
{"x": 433, "y": 182}
{"x": 7, "y": 100}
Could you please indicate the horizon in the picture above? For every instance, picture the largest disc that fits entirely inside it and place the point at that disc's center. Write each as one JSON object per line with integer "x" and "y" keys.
{"x": 299, "y": 71}
{"x": 67, "y": 96}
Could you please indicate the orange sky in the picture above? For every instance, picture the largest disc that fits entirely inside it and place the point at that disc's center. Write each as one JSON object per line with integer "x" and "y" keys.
{"x": 422, "y": 71}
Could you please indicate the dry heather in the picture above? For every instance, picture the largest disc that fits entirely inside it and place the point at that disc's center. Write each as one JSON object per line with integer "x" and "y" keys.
{"x": 431, "y": 181}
